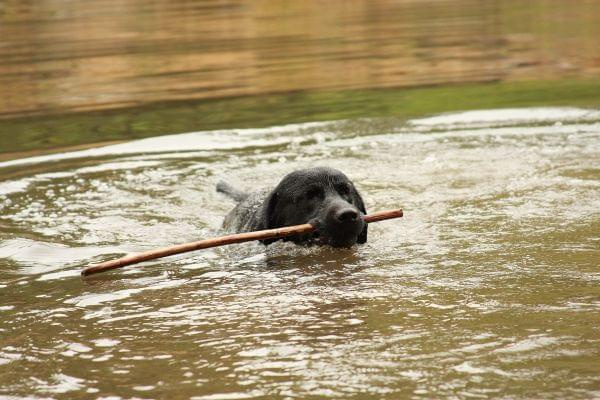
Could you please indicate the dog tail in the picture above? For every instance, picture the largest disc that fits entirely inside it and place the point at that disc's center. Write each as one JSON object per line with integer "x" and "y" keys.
{"x": 230, "y": 191}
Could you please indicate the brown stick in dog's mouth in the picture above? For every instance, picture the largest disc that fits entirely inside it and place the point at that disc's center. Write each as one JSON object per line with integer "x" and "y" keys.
{"x": 277, "y": 233}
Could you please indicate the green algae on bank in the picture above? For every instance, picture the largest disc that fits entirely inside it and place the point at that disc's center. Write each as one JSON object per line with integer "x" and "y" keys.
{"x": 48, "y": 133}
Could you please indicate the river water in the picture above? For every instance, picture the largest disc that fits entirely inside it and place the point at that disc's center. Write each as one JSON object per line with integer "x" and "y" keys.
{"x": 487, "y": 288}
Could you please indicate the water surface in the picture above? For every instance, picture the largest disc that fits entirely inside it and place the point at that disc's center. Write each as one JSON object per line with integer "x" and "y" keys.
{"x": 487, "y": 288}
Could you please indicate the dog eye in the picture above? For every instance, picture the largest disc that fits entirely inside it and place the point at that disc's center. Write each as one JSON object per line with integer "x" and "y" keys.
{"x": 342, "y": 189}
{"x": 313, "y": 193}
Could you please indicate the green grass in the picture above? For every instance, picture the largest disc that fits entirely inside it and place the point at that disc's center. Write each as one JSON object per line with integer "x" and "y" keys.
{"x": 44, "y": 133}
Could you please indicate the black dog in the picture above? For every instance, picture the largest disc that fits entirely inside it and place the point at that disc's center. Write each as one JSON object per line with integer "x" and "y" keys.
{"x": 324, "y": 197}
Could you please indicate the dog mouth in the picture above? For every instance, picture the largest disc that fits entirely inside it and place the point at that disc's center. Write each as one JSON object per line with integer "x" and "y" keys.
{"x": 319, "y": 239}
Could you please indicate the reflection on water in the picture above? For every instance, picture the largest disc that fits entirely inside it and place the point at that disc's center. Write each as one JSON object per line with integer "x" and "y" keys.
{"x": 81, "y": 55}
{"x": 488, "y": 287}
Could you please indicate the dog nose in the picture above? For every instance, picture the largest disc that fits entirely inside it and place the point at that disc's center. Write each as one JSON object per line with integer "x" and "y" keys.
{"x": 346, "y": 215}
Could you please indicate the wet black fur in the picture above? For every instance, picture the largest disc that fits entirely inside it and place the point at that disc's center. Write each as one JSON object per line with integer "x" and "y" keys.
{"x": 323, "y": 196}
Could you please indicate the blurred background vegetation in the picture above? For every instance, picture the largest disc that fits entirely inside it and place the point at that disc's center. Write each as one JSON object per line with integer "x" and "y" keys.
{"x": 80, "y": 73}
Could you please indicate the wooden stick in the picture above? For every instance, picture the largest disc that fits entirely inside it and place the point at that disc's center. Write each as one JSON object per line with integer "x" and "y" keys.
{"x": 277, "y": 233}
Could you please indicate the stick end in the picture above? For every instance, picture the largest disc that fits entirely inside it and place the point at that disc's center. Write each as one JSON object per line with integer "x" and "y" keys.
{"x": 88, "y": 270}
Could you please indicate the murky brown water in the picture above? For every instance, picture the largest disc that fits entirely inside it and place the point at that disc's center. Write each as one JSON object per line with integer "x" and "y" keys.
{"x": 488, "y": 288}
{"x": 58, "y": 56}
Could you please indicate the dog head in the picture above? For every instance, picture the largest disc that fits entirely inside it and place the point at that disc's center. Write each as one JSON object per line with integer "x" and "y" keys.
{"x": 324, "y": 197}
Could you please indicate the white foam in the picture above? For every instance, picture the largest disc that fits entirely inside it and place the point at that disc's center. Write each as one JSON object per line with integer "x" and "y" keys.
{"x": 510, "y": 115}
{"x": 203, "y": 140}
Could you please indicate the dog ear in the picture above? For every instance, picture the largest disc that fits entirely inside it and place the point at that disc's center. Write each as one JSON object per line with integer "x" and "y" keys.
{"x": 269, "y": 214}
{"x": 362, "y": 237}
